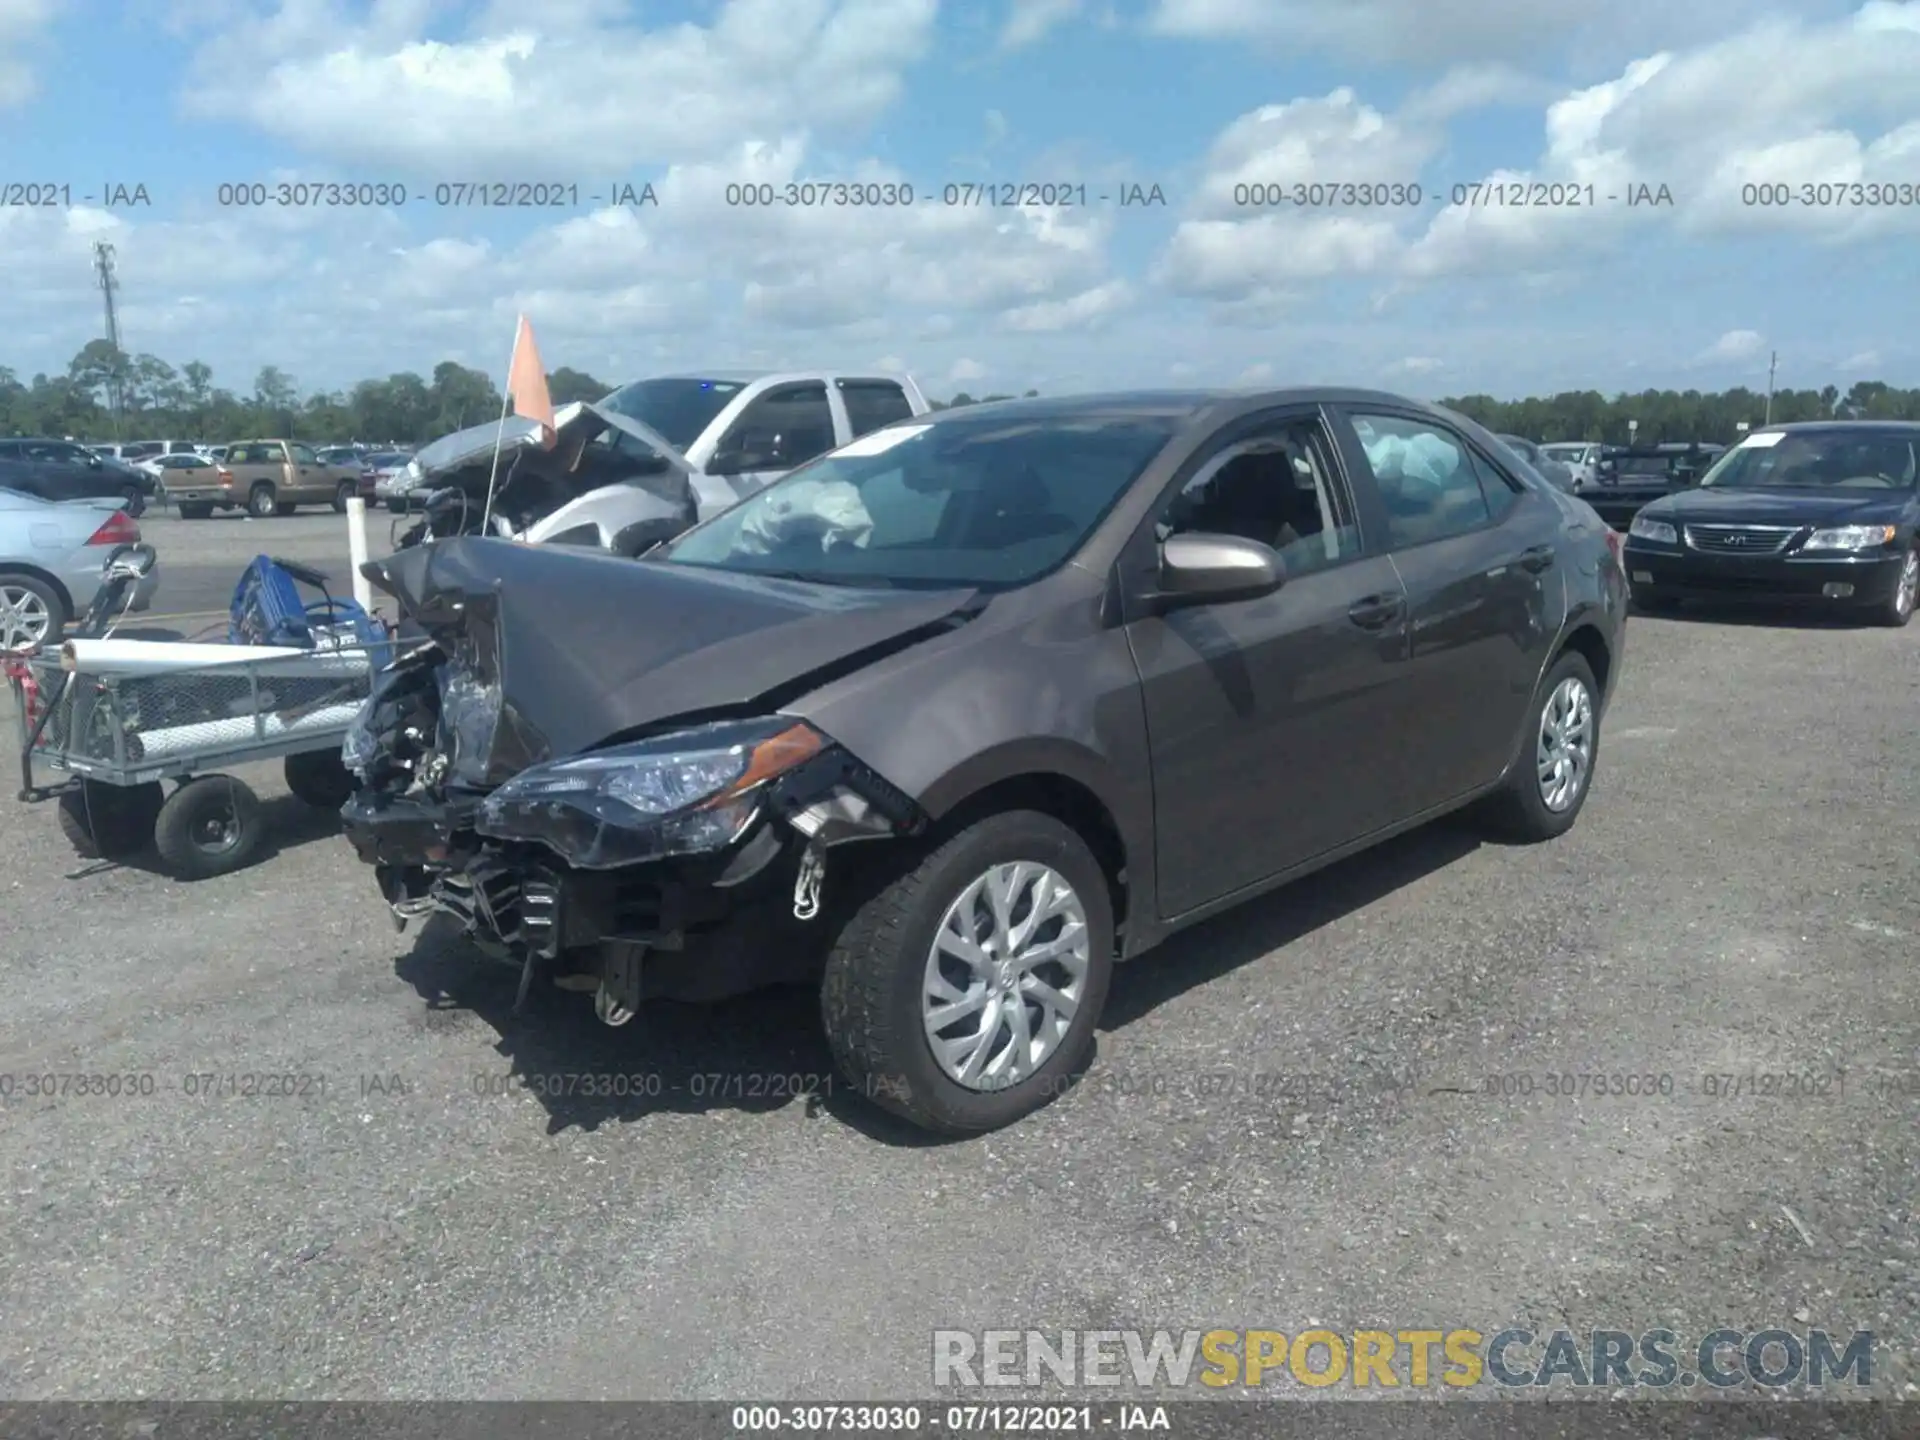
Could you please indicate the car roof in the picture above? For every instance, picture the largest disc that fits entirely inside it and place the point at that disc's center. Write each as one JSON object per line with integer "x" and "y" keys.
{"x": 1831, "y": 427}
{"x": 1185, "y": 405}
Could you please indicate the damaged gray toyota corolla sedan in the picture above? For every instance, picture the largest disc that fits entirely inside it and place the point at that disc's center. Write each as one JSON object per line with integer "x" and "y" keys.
{"x": 958, "y": 716}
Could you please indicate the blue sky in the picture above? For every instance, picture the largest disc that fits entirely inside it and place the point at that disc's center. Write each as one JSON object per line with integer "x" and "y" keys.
{"x": 1197, "y": 97}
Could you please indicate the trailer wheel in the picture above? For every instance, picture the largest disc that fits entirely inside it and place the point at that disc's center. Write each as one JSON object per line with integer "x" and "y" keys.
{"x": 319, "y": 778}
{"x": 210, "y": 826}
{"x": 109, "y": 822}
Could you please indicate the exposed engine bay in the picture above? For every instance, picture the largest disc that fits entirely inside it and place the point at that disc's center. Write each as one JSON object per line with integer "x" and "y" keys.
{"x": 600, "y": 813}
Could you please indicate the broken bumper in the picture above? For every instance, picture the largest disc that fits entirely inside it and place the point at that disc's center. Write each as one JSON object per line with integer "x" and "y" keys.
{"x": 687, "y": 867}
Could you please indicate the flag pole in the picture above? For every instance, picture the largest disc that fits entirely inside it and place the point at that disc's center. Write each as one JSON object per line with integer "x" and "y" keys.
{"x": 500, "y": 434}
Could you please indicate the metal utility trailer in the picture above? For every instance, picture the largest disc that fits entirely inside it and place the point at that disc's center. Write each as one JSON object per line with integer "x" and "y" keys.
{"x": 121, "y": 735}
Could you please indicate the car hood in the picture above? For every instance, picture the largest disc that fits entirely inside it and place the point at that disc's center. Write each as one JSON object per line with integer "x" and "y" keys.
{"x": 565, "y": 650}
{"x": 1778, "y": 507}
{"x": 579, "y": 421}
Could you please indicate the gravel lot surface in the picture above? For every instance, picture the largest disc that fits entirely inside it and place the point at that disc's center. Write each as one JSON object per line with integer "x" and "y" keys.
{"x": 1739, "y": 898}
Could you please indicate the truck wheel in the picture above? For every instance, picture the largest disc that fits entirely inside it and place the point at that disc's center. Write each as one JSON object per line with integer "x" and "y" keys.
{"x": 196, "y": 512}
{"x": 109, "y": 822}
{"x": 319, "y": 778}
{"x": 964, "y": 994}
{"x": 210, "y": 826}
{"x": 260, "y": 503}
{"x": 346, "y": 491}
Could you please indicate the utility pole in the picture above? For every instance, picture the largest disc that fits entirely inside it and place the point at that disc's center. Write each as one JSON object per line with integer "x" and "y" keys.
{"x": 1773, "y": 364}
{"x": 103, "y": 267}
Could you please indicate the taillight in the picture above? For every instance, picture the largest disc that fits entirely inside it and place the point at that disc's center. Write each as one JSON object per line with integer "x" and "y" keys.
{"x": 223, "y": 475}
{"x": 119, "y": 529}
{"x": 1617, "y": 543}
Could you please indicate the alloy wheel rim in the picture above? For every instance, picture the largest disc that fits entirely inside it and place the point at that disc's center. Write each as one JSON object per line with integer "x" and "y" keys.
{"x": 1564, "y": 756}
{"x": 24, "y": 618}
{"x": 1005, "y": 975}
{"x": 1909, "y": 582}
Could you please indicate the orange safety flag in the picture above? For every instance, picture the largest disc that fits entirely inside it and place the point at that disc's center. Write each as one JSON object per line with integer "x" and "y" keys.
{"x": 527, "y": 384}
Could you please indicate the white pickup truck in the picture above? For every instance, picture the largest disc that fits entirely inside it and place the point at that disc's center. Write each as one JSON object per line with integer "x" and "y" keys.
{"x": 723, "y": 434}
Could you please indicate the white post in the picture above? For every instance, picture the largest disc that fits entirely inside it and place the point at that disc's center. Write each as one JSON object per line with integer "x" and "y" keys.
{"x": 357, "y": 551}
{"x": 500, "y": 434}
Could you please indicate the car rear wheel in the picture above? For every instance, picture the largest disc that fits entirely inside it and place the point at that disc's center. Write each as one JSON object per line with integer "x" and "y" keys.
{"x": 1897, "y": 609}
{"x": 260, "y": 502}
{"x": 964, "y": 994}
{"x": 343, "y": 493}
{"x": 136, "y": 505}
{"x": 1547, "y": 789}
{"x": 32, "y": 613}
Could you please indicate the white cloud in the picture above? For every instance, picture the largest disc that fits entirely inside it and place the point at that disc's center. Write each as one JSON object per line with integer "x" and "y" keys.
{"x": 618, "y": 286}
{"x": 1770, "y": 107}
{"x": 1248, "y": 237}
{"x": 964, "y": 370}
{"x": 1030, "y": 21}
{"x": 1418, "y": 365}
{"x": 20, "y": 24}
{"x": 1735, "y": 345}
{"x": 1429, "y": 31}
{"x": 1257, "y": 373}
{"x": 557, "y": 92}
{"x": 1861, "y": 361}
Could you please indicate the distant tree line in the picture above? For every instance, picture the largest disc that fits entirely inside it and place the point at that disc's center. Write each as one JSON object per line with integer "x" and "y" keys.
{"x": 156, "y": 401}
{"x": 1680, "y": 415}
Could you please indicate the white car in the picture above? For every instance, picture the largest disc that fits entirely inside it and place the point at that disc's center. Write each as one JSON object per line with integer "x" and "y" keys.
{"x": 729, "y": 433}
{"x": 1582, "y": 457}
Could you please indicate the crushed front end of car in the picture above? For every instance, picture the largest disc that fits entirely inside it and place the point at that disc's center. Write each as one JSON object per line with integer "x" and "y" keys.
{"x": 557, "y": 787}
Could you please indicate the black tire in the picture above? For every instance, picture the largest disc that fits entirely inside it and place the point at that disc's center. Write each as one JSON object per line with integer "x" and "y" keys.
{"x": 870, "y": 997}
{"x": 210, "y": 826}
{"x": 58, "y": 616}
{"x": 396, "y": 507}
{"x": 196, "y": 512}
{"x": 136, "y": 505}
{"x": 345, "y": 492}
{"x": 1518, "y": 810}
{"x": 109, "y": 822}
{"x": 1897, "y": 609}
{"x": 1654, "y": 602}
{"x": 319, "y": 778}
{"x": 260, "y": 502}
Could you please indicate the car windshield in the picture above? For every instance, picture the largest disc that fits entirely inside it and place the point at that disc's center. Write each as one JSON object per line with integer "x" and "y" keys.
{"x": 1820, "y": 460}
{"x": 984, "y": 502}
{"x": 681, "y": 410}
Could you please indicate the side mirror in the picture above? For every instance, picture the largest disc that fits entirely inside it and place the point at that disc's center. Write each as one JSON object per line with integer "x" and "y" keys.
{"x": 1197, "y": 568}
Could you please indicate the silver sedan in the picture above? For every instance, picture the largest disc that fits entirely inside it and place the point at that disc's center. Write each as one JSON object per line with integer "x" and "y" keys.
{"x": 52, "y": 553}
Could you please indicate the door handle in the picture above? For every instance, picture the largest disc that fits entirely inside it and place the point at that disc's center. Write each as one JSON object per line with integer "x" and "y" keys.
{"x": 1376, "y": 611}
{"x": 1537, "y": 558}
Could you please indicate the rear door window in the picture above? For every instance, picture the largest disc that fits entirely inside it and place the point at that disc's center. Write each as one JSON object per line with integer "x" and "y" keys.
{"x": 873, "y": 403}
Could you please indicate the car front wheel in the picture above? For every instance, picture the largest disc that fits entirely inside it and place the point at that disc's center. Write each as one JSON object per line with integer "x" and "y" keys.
{"x": 964, "y": 994}
{"x": 1897, "y": 609}
{"x": 1548, "y": 786}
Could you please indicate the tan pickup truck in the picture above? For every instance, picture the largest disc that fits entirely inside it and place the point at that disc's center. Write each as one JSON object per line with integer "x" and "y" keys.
{"x": 263, "y": 477}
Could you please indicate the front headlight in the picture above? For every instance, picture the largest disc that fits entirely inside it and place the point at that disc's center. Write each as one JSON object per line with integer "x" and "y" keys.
{"x": 1850, "y": 537}
{"x": 1658, "y": 531}
{"x": 679, "y": 794}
